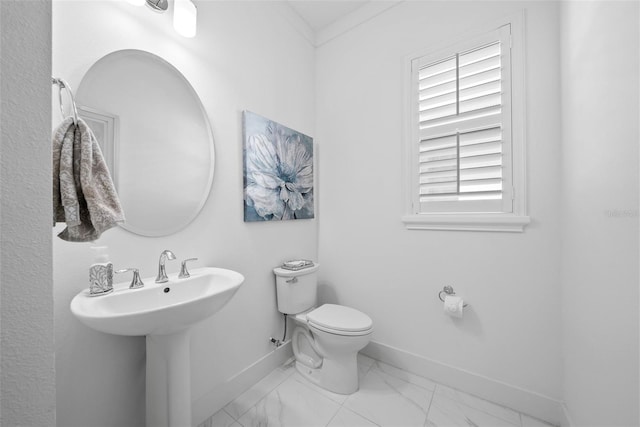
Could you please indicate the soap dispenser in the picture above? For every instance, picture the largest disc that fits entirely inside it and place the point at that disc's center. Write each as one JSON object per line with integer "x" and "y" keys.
{"x": 101, "y": 272}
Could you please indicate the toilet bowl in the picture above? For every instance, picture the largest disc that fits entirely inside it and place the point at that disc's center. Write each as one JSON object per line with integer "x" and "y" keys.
{"x": 335, "y": 334}
{"x": 327, "y": 339}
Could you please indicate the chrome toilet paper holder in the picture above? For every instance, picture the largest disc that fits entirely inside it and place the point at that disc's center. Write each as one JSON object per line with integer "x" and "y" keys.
{"x": 449, "y": 291}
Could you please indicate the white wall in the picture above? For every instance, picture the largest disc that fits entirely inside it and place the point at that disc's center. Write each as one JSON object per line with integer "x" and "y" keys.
{"x": 245, "y": 56}
{"x": 600, "y": 70}
{"x": 27, "y": 378}
{"x": 510, "y": 334}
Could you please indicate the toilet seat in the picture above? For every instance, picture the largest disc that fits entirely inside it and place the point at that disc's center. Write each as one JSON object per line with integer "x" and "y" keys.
{"x": 339, "y": 320}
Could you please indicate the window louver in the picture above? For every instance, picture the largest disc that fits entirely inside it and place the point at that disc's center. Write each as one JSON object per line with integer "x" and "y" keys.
{"x": 461, "y": 135}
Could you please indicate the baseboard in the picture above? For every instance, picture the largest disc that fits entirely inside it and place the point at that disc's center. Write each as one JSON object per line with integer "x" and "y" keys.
{"x": 223, "y": 393}
{"x": 519, "y": 399}
{"x": 566, "y": 417}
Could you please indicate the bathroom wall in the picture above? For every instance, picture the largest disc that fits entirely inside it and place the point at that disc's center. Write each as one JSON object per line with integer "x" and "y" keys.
{"x": 27, "y": 377}
{"x": 510, "y": 336}
{"x": 600, "y": 232}
{"x": 246, "y": 55}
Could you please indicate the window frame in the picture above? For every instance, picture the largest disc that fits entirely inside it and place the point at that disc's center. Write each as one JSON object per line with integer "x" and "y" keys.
{"x": 514, "y": 217}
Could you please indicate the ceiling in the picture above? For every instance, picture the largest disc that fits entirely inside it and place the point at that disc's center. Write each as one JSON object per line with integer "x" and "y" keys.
{"x": 319, "y": 14}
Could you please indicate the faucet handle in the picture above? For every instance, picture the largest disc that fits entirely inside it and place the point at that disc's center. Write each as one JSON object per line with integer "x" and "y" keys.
{"x": 136, "y": 282}
{"x": 184, "y": 273}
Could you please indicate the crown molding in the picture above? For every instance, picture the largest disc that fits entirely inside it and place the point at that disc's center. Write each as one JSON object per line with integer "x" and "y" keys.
{"x": 350, "y": 21}
{"x": 296, "y": 21}
{"x": 343, "y": 25}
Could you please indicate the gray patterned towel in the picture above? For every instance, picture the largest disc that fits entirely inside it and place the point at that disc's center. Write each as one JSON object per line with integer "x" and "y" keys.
{"x": 83, "y": 193}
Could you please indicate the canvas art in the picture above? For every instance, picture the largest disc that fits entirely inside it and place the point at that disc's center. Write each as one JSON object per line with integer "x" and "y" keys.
{"x": 278, "y": 171}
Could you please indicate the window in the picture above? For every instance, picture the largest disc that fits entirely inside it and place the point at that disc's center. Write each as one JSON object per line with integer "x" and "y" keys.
{"x": 465, "y": 166}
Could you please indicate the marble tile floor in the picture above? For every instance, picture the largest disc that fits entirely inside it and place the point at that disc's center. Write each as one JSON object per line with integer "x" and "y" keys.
{"x": 388, "y": 397}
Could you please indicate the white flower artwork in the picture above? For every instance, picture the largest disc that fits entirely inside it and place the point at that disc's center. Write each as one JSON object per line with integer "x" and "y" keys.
{"x": 278, "y": 171}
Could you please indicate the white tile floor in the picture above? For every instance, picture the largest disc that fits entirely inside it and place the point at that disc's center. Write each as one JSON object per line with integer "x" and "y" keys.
{"x": 388, "y": 397}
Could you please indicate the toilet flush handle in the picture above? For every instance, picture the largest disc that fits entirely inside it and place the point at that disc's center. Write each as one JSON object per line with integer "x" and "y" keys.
{"x": 293, "y": 280}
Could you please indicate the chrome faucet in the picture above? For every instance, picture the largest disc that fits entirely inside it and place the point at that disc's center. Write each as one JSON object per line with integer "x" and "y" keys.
{"x": 136, "y": 282}
{"x": 162, "y": 273}
{"x": 184, "y": 273}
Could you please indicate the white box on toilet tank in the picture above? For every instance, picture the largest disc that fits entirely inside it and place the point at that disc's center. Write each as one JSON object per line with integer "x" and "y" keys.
{"x": 296, "y": 290}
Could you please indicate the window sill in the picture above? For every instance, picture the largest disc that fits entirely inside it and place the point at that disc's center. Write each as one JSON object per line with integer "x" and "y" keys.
{"x": 467, "y": 222}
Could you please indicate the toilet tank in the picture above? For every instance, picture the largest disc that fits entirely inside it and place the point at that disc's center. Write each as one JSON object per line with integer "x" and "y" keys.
{"x": 296, "y": 290}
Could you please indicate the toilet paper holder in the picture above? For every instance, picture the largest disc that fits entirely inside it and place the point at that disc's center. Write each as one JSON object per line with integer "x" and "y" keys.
{"x": 449, "y": 291}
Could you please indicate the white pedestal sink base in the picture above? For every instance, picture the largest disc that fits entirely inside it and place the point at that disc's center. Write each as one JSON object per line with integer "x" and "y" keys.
{"x": 163, "y": 312}
{"x": 168, "y": 380}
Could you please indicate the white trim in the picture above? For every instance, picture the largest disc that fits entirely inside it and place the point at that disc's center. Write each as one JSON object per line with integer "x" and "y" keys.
{"x": 343, "y": 25}
{"x": 296, "y": 21}
{"x": 516, "y": 219}
{"x": 221, "y": 394}
{"x": 516, "y": 398}
{"x": 348, "y": 22}
{"x": 566, "y": 417}
{"x": 467, "y": 222}
{"x": 518, "y": 112}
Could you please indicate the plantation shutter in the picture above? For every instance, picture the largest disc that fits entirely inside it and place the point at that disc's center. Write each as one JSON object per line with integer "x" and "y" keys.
{"x": 463, "y": 129}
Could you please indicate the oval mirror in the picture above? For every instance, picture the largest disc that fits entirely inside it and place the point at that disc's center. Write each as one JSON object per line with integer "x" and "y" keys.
{"x": 155, "y": 137}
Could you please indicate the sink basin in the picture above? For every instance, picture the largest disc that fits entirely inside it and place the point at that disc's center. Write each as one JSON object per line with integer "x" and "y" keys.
{"x": 163, "y": 312}
{"x": 158, "y": 308}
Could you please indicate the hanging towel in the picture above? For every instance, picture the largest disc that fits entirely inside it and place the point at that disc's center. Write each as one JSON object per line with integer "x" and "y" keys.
{"x": 83, "y": 193}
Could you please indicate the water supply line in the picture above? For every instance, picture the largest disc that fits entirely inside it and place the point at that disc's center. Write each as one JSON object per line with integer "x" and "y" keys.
{"x": 276, "y": 342}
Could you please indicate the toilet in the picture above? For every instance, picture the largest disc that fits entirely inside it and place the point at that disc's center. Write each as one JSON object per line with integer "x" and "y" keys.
{"x": 327, "y": 339}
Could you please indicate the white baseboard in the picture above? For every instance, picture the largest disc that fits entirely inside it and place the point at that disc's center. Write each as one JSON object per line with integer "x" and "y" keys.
{"x": 517, "y": 398}
{"x": 223, "y": 393}
{"x": 566, "y": 417}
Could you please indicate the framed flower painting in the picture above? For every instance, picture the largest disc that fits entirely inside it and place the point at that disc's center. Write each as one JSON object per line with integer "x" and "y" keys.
{"x": 278, "y": 171}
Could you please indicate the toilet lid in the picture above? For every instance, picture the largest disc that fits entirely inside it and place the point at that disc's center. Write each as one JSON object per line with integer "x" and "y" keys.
{"x": 339, "y": 318}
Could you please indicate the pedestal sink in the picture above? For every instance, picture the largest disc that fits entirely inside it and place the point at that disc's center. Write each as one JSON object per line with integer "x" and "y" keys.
{"x": 163, "y": 313}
